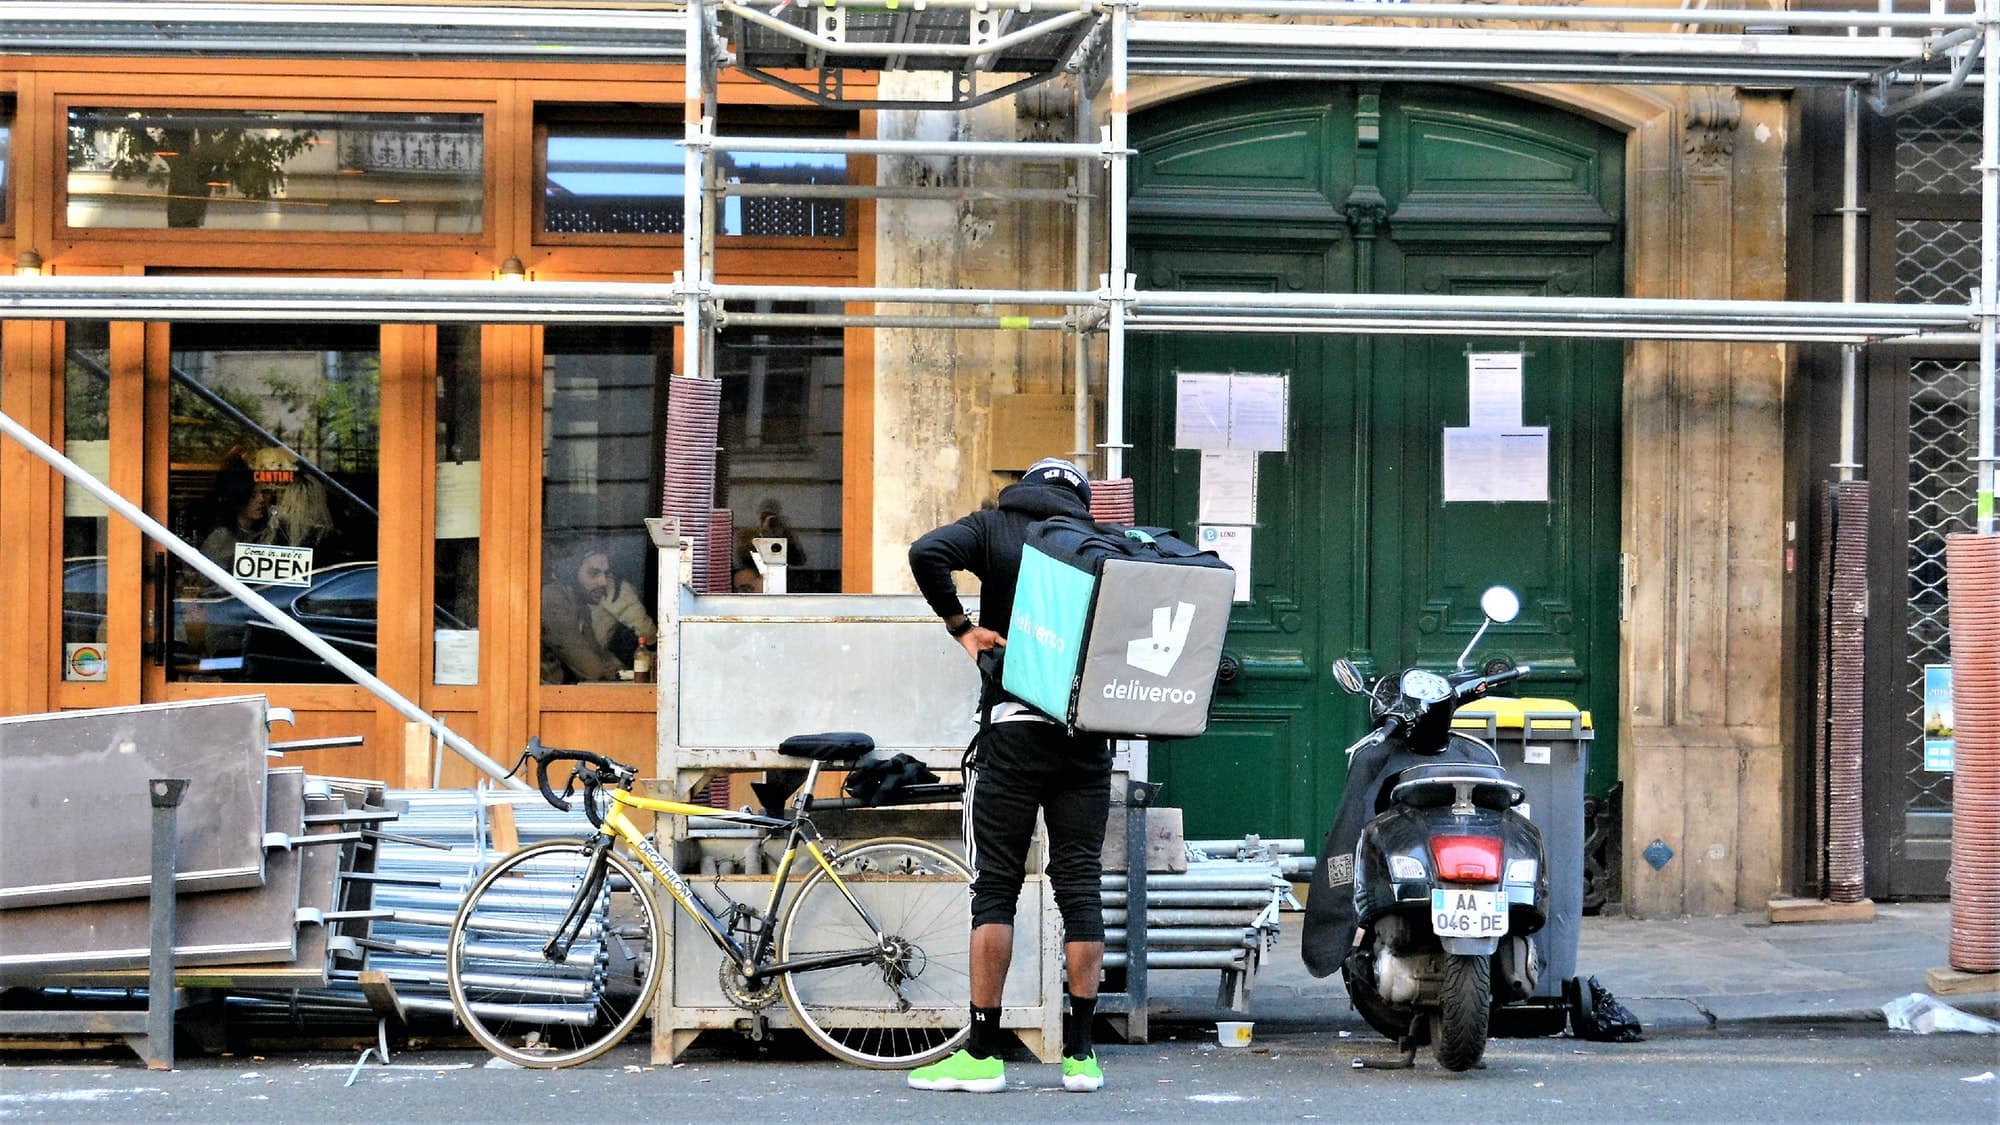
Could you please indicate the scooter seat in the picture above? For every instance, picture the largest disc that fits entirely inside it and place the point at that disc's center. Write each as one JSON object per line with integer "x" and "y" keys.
{"x": 1429, "y": 786}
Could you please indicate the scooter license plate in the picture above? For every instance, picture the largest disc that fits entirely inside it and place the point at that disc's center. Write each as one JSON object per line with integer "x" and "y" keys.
{"x": 1473, "y": 914}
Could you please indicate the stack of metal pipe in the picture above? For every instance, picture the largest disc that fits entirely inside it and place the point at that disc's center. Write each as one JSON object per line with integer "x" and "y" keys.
{"x": 1216, "y": 913}
{"x": 416, "y": 891}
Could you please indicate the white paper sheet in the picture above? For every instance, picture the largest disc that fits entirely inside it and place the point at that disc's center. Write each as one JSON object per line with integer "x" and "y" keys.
{"x": 1231, "y": 545}
{"x": 1257, "y": 412}
{"x": 93, "y": 457}
{"x": 458, "y": 500}
{"x": 1228, "y": 487}
{"x": 1495, "y": 465}
{"x": 1494, "y": 390}
{"x": 456, "y": 660}
{"x": 1201, "y": 411}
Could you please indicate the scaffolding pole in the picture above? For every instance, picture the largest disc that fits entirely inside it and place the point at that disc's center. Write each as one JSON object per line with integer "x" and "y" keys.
{"x": 1989, "y": 251}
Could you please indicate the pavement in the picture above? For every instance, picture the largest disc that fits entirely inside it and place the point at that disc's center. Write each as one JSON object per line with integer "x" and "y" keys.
{"x": 1673, "y": 974}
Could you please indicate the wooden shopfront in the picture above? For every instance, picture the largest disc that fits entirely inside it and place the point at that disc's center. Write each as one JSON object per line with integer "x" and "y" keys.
{"x": 444, "y": 478}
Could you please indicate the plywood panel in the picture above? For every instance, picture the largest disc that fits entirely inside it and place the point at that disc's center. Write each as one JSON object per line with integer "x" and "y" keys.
{"x": 79, "y": 818}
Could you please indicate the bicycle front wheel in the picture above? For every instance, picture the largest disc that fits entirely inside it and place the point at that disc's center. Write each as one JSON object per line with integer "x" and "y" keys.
{"x": 909, "y": 1004}
{"x": 530, "y": 1006}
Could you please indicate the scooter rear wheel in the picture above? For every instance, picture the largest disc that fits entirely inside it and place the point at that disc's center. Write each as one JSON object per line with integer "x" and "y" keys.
{"x": 1465, "y": 1003}
{"x": 1391, "y": 1021}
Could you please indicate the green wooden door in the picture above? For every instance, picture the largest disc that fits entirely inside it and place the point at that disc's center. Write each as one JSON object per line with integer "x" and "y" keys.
{"x": 1355, "y": 553}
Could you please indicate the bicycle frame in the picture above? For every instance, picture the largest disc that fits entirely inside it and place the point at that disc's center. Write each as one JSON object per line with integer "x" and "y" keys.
{"x": 619, "y": 825}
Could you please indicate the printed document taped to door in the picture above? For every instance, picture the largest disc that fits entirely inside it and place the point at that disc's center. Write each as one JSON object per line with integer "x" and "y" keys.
{"x": 1493, "y": 390}
{"x": 1231, "y": 545}
{"x": 1496, "y": 465}
{"x": 1239, "y": 412}
{"x": 1228, "y": 486}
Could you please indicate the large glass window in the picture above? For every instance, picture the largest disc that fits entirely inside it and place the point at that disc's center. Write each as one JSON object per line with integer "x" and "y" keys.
{"x": 250, "y": 170}
{"x": 627, "y": 178}
{"x": 781, "y": 438}
{"x": 86, "y": 521}
{"x": 274, "y": 451}
{"x": 456, "y": 580}
{"x": 604, "y": 399}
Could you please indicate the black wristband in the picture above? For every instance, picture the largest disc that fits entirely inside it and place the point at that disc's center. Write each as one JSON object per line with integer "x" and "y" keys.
{"x": 963, "y": 627}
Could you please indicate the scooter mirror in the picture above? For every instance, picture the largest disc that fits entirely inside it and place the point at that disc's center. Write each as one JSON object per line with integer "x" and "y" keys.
{"x": 1500, "y": 604}
{"x": 1348, "y": 675}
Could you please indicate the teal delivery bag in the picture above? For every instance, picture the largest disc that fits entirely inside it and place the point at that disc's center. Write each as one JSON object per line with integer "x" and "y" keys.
{"x": 1117, "y": 630}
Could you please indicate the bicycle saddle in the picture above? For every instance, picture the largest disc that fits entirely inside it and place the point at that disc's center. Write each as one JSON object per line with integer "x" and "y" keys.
{"x": 828, "y": 746}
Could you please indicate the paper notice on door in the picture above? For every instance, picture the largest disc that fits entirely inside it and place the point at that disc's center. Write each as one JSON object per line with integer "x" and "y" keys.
{"x": 1231, "y": 545}
{"x": 1257, "y": 409}
{"x": 1228, "y": 487}
{"x": 458, "y": 500}
{"x": 1242, "y": 412}
{"x": 1201, "y": 411}
{"x": 1494, "y": 390}
{"x": 93, "y": 457}
{"x": 456, "y": 657}
{"x": 1495, "y": 465}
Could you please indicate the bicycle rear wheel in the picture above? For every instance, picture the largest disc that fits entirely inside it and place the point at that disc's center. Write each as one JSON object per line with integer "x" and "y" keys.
{"x": 910, "y": 1004}
{"x": 537, "y": 1011}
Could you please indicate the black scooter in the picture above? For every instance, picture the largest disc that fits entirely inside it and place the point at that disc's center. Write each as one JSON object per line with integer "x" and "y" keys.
{"x": 1429, "y": 882}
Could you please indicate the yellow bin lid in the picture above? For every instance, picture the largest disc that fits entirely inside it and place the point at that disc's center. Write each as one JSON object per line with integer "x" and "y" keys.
{"x": 1509, "y": 714}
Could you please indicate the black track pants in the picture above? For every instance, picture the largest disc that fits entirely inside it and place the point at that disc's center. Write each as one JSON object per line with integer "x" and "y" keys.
{"x": 1017, "y": 768}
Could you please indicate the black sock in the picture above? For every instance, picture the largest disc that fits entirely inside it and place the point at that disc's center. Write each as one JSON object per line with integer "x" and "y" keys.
{"x": 985, "y": 1041}
{"x": 1076, "y": 1026}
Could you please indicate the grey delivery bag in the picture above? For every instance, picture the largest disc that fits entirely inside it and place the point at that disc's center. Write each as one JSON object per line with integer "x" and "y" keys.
{"x": 1117, "y": 630}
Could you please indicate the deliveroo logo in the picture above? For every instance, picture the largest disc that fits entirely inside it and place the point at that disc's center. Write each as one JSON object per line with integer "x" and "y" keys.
{"x": 1160, "y": 652}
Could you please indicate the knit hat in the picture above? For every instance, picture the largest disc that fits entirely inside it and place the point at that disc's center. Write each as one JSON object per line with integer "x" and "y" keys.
{"x": 1055, "y": 470}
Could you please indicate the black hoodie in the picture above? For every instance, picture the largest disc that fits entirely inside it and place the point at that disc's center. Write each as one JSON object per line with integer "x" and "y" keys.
{"x": 988, "y": 544}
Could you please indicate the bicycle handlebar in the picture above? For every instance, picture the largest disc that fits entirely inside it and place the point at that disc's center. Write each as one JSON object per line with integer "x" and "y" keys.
{"x": 593, "y": 770}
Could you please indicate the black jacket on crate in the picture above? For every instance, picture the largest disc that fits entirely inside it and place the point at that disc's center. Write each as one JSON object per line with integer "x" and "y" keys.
{"x": 988, "y": 544}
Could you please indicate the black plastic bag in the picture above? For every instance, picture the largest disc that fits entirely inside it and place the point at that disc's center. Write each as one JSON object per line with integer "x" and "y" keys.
{"x": 1597, "y": 1015}
{"x": 879, "y": 779}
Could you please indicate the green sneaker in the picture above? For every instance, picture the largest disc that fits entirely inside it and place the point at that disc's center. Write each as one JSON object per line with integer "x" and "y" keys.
{"x": 1082, "y": 1076}
{"x": 962, "y": 1071}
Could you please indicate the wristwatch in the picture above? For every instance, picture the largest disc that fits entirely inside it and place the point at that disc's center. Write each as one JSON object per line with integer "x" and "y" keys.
{"x": 964, "y": 626}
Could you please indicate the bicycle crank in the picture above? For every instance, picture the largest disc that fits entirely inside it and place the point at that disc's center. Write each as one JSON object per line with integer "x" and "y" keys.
{"x": 742, "y": 992}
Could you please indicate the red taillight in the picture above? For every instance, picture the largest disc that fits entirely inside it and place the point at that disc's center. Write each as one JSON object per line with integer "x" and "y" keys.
{"x": 1467, "y": 859}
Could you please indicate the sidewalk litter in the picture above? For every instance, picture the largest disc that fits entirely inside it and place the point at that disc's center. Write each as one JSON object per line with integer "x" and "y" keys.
{"x": 1926, "y": 1014}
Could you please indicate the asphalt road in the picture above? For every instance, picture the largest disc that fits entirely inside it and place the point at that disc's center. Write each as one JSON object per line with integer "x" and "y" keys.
{"x": 1770, "y": 1074}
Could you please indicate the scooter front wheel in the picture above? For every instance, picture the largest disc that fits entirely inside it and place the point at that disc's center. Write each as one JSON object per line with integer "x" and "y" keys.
{"x": 1464, "y": 1005}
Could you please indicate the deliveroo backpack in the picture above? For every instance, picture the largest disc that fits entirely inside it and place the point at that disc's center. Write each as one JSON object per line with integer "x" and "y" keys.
{"x": 1117, "y": 630}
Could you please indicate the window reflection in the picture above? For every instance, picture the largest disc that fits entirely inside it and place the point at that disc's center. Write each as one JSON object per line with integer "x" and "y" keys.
{"x": 6, "y": 148}
{"x": 401, "y": 173}
{"x": 630, "y": 180}
{"x": 86, "y": 521}
{"x": 780, "y": 430}
{"x": 456, "y": 580}
{"x": 274, "y": 455}
{"x": 604, "y": 408}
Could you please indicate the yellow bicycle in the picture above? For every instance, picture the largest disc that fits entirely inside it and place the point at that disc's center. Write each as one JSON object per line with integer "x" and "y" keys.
{"x": 556, "y": 953}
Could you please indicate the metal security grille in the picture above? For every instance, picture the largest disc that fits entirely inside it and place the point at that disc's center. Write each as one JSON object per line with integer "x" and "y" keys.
{"x": 1937, "y": 260}
{"x": 1937, "y": 148}
{"x": 1942, "y": 417}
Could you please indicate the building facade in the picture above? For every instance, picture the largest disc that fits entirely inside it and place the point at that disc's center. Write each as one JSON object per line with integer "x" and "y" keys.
{"x": 470, "y": 495}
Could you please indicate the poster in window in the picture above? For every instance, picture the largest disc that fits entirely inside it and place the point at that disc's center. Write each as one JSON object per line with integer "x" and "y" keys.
{"x": 1939, "y": 741}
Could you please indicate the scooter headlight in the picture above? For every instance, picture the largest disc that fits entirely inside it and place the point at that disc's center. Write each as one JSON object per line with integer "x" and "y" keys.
{"x": 1405, "y": 868}
{"x": 1520, "y": 871}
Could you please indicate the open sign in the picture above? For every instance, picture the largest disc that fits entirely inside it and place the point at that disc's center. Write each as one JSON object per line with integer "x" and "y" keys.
{"x": 273, "y": 566}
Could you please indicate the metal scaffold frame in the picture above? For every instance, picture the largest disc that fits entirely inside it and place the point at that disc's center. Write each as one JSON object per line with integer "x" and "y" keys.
{"x": 990, "y": 49}
{"x": 1895, "y": 60}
